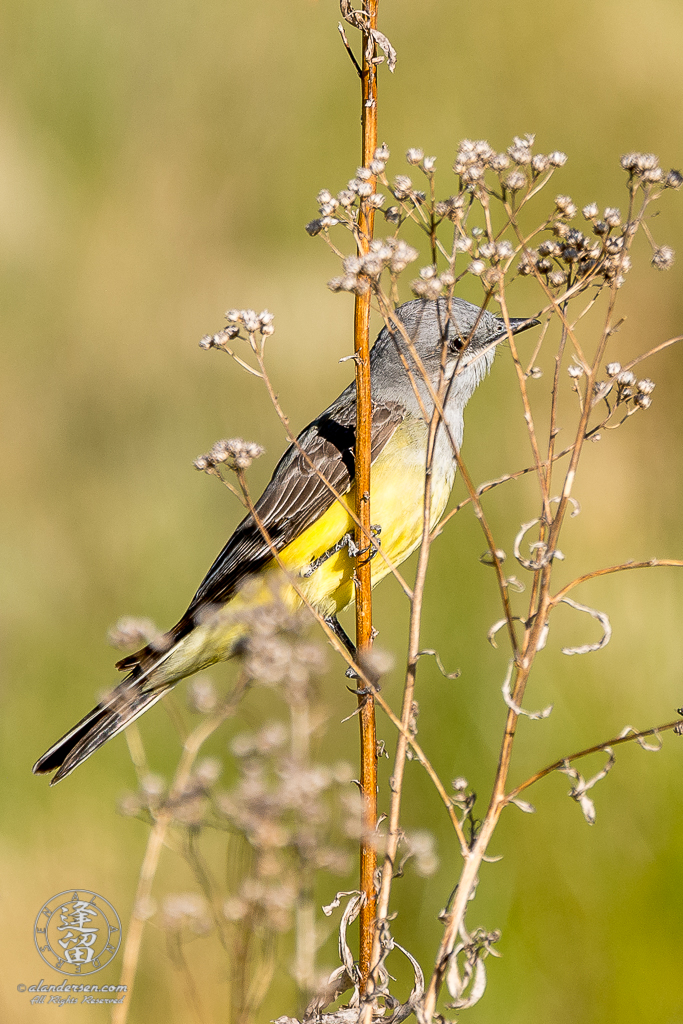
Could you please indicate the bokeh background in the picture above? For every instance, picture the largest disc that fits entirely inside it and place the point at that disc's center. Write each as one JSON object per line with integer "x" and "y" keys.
{"x": 157, "y": 165}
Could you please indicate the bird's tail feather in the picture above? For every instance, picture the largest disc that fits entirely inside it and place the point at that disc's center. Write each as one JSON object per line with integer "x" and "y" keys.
{"x": 130, "y": 699}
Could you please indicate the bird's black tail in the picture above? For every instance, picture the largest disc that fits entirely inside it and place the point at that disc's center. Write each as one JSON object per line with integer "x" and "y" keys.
{"x": 126, "y": 703}
{"x": 130, "y": 699}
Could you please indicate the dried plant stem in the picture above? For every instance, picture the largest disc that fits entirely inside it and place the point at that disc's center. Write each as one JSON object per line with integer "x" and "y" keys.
{"x": 305, "y": 932}
{"x": 393, "y": 831}
{"x": 617, "y": 741}
{"x": 651, "y": 563}
{"x": 157, "y": 837}
{"x": 363, "y": 580}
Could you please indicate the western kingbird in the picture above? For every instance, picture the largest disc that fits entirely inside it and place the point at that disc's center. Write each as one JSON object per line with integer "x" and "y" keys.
{"x": 310, "y": 529}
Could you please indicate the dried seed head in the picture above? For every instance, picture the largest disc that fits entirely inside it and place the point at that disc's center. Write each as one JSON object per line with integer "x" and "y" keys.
{"x": 414, "y": 156}
{"x": 207, "y": 772}
{"x": 499, "y": 162}
{"x": 515, "y": 181}
{"x": 613, "y": 369}
{"x": 520, "y": 150}
{"x": 565, "y": 207}
{"x": 186, "y": 909}
{"x": 557, "y": 158}
{"x": 152, "y": 788}
{"x": 402, "y": 186}
{"x": 201, "y": 695}
{"x": 663, "y": 258}
{"x": 527, "y": 262}
{"x": 129, "y": 805}
{"x": 422, "y": 846}
{"x": 130, "y": 633}
{"x": 590, "y": 212}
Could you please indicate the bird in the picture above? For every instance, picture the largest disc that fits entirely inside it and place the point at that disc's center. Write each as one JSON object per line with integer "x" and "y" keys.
{"x": 299, "y": 517}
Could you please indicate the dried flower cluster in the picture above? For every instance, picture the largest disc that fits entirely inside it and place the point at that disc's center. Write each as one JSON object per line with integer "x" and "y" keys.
{"x": 234, "y": 452}
{"x": 569, "y": 259}
{"x": 288, "y": 813}
{"x": 253, "y": 323}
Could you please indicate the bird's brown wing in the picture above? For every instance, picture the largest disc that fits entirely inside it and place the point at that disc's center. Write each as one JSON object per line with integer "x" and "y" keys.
{"x": 297, "y": 494}
{"x": 295, "y": 497}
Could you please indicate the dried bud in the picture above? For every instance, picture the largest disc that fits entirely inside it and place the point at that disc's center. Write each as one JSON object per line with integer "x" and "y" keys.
{"x": 565, "y": 206}
{"x": 663, "y": 258}
{"x": 201, "y": 695}
{"x": 515, "y": 181}
{"x": 130, "y": 633}
{"x": 402, "y": 186}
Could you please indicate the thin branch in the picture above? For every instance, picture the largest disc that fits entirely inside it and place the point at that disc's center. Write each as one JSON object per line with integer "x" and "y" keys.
{"x": 632, "y": 736}
{"x": 651, "y": 563}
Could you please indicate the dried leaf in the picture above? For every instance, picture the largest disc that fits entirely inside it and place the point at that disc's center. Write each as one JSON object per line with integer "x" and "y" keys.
{"x": 602, "y": 619}
{"x": 517, "y": 708}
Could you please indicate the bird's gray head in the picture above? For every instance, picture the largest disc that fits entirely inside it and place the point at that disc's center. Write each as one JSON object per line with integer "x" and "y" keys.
{"x": 428, "y": 331}
{"x": 469, "y": 332}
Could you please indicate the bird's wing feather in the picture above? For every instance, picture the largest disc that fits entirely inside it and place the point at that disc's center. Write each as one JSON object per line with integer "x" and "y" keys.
{"x": 297, "y": 494}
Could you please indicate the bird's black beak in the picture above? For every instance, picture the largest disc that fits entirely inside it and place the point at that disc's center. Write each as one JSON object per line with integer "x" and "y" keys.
{"x": 517, "y": 325}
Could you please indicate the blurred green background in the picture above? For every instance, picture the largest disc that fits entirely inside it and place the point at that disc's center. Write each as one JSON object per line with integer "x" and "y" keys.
{"x": 157, "y": 165}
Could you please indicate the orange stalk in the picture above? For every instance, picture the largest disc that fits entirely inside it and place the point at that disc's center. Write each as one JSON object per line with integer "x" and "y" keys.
{"x": 368, "y": 733}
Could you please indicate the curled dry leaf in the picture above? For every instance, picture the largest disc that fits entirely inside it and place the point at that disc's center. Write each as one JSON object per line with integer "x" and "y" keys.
{"x": 517, "y": 708}
{"x": 602, "y": 619}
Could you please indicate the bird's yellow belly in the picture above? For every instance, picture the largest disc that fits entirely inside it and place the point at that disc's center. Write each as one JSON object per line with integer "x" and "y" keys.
{"x": 397, "y": 503}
